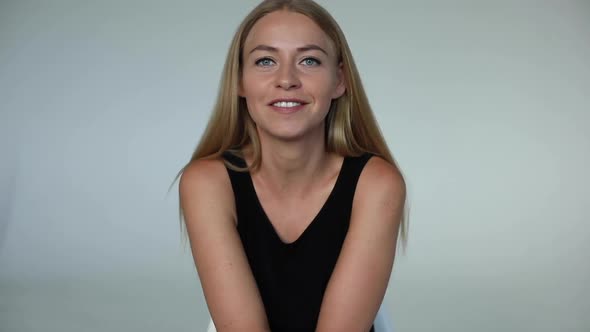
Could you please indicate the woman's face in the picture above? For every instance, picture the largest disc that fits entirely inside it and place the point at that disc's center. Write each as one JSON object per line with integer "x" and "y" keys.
{"x": 290, "y": 75}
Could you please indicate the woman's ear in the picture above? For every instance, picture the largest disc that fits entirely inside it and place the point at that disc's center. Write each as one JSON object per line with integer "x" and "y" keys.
{"x": 340, "y": 83}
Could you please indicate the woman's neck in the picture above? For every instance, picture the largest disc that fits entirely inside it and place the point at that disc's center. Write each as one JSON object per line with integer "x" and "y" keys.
{"x": 293, "y": 167}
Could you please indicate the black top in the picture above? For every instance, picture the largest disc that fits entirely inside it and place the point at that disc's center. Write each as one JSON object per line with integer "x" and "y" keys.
{"x": 292, "y": 277}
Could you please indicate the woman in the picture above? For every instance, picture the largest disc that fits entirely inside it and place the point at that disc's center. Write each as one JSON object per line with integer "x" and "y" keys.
{"x": 292, "y": 201}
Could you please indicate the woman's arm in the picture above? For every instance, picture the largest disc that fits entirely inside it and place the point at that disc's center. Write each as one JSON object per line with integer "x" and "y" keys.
{"x": 359, "y": 280}
{"x": 229, "y": 287}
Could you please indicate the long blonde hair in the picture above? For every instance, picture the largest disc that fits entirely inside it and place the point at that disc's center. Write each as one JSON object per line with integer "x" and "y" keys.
{"x": 351, "y": 128}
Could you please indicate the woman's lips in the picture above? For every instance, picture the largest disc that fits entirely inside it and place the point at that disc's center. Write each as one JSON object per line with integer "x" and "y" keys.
{"x": 287, "y": 105}
{"x": 288, "y": 110}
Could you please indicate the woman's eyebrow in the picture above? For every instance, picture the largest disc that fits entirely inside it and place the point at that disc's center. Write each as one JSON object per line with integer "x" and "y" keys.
{"x": 305, "y": 48}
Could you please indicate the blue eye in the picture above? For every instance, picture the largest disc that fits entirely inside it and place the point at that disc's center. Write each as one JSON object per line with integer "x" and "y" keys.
{"x": 264, "y": 62}
{"x": 311, "y": 62}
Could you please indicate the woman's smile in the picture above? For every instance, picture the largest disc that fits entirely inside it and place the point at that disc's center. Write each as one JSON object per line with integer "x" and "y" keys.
{"x": 287, "y": 106}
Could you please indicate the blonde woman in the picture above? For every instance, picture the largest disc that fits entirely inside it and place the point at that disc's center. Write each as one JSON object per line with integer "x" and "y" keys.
{"x": 292, "y": 201}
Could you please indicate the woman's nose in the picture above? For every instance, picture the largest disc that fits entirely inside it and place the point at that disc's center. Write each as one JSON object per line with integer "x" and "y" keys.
{"x": 288, "y": 78}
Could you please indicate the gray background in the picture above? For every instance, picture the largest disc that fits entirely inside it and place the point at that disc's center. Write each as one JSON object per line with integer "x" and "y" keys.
{"x": 485, "y": 105}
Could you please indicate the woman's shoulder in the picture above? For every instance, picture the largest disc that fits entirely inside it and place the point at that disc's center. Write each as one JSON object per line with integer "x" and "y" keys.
{"x": 380, "y": 178}
{"x": 377, "y": 166}
{"x": 205, "y": 192}
{"x": 206, "y": 176}
{"x": 204, "y": 171}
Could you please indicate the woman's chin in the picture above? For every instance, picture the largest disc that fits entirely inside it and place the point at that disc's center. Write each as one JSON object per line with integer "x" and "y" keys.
{"x": 290, "y": 135}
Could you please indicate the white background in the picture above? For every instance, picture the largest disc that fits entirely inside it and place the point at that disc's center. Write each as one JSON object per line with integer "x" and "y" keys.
{"x": 485, "y": 105}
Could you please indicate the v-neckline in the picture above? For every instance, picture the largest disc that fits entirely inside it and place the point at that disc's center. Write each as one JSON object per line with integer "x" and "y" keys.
{"x": 270, "y": 225}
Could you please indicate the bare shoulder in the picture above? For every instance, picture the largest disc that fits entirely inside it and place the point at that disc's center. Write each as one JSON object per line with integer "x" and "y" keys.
{"x": 359, "y": 280}
{"x": 205, "y": 183}
{"x": 380, "y": 192}
{"x": 381, "y": 178}
{"x": 206, "y": 198}
{"x": 204, "y": 172}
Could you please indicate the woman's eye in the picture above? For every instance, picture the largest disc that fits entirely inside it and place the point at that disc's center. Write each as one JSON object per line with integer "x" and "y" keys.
{"x": 264, "y": 62}
{"x": 311, "y": 62}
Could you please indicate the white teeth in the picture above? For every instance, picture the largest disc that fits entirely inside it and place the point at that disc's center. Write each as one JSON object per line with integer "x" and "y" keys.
{"x": 286, "y": 104}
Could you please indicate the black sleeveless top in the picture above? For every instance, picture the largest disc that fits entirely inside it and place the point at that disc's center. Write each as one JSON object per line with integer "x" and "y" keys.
{"x": 292, "y": 277}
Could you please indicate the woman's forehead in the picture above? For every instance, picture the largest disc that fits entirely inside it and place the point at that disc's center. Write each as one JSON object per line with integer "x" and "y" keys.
{"x": 287, "y": 30}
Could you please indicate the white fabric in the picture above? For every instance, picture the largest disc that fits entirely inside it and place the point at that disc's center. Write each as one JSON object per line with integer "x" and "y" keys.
{"x": 381, "y": 323}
